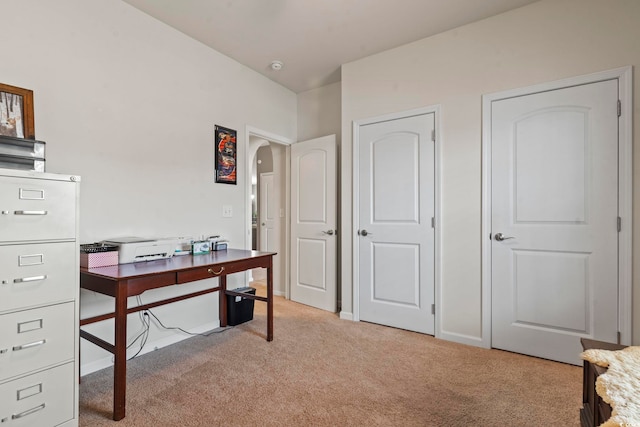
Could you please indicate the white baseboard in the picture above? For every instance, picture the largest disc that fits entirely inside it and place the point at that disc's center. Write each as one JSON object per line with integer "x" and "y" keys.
{"x": 345, "y": 315}
{"x": 105, "y": 362}
{"x": 461, "y": 339}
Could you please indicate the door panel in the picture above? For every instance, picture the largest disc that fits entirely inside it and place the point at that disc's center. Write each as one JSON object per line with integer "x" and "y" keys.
{"x": 555, "y": 195}
{"x": 396, "y": 237}
{"x": 314, "y": 247}
{"x": 396, "y": 179}
{"x": 557, "y": 140}
{"x": 550, "y": 290}
{"x": 388, "y": 258}
{"x": 312, "y": 274}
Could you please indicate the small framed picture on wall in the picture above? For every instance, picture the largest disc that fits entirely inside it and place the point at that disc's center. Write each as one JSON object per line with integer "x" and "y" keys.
{"x": 225, "y": 155}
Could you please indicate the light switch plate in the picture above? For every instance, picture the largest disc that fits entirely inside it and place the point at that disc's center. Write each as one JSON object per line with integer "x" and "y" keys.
{"x": 227, "y": 211}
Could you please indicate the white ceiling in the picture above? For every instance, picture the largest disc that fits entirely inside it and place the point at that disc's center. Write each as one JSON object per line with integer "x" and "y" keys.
{"x": 314, "y": 37}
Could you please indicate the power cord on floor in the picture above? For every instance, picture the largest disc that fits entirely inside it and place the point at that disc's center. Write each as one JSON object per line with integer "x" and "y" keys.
{"x": 146, "y": 322}
{"x": 215, "y": 331}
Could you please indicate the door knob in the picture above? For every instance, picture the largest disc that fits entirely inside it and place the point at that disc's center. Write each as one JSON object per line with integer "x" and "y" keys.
{"x": 330, "y": 232}
{"x": 500, "y": 237}
{"x": 263, "y": 224}
{"x": 364, "y": 233}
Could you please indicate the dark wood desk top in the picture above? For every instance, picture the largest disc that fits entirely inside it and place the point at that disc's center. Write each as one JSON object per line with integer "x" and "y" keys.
{"x": 589, "y": 344}
{"x": 175, "y": 263}
{"x": 136, "y": 278}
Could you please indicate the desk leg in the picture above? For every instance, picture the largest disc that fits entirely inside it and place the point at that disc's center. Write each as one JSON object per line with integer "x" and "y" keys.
{"x": 120, "y": 364}
{"x": 222, "y": 281}
{"x": 270, "y": 300}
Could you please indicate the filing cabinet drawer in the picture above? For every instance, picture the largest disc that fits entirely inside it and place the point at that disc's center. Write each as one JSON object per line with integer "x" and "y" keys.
{"x": 37, "y": 274}
{"x": 34, "y": 339}
{"x": 36, "y": 209}
{"x": 43, "y": 399}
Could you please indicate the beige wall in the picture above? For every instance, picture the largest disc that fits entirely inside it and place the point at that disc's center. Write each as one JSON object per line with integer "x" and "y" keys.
{"x": 545, "y": 41}
{"x": 130, "y": 105}
{"x": 319, "y": 112}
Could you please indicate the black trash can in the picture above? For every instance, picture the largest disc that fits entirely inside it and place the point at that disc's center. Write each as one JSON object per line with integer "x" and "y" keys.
{"x": 239, "y": 309}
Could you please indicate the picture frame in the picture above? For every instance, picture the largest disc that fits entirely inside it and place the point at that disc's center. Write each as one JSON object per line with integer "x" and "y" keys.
{"x": 16, "y": 112}
{"x": 226, "y": 155}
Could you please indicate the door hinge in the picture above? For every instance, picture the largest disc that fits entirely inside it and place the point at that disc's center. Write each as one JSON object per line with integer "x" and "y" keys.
{"x": 433, "y": 135}
{"x": 619, "y": 224}
{"x": 433, "y": 309}
{"x": 619, "y": 108}
{"x": 433, "y": 222}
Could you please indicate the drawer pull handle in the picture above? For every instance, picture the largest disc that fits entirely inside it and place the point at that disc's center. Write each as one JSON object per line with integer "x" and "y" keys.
{"x": 30, "y": 345}
{"x": 30, "y": 212}
{"x": 31, "y": 325}
{"x": 29, "y": 194}
{"x": 212, "y": 271}
{"x": 30, "y": 279}
{"x": 28, "y": 412}
{"x": 31, "y": 391}
{"x": 29, "y": 260}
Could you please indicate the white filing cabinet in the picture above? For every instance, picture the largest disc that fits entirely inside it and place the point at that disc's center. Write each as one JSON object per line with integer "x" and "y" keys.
{"x": 39, "y": 298}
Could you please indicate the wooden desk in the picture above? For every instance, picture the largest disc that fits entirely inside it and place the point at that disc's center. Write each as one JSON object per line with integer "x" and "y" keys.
{"x": 126, "y": 280}
{"x": 595, "y": 411}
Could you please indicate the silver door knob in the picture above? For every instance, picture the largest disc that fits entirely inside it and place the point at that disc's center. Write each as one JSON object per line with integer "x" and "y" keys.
{"x": 330, "y": 232}
{"x": 364, "y": 233}
{"x": 500, "y": 237}
{"x": 263, "y": 224}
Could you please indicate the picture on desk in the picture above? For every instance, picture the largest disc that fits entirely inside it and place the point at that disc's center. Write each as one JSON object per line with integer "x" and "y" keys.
{"x": 225, "y": 155}
{"x": 16, "y": 112}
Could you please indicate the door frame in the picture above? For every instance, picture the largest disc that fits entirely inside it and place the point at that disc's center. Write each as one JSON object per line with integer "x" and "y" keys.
{"x": 625, "y": 190}
{"x": 435, "y": 109}
{"x": 260, "y": 204}
{"x": 278, "y": 139}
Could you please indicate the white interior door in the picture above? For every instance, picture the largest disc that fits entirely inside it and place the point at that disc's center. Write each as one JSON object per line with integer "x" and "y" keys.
{"x": 554, "y": 189}
{"x": 268, "y": 213}
{"x": 314, "y": 223}
{"x": 396, "y": 249}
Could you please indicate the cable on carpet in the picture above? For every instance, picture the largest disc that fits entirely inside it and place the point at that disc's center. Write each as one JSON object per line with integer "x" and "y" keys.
{"x": 146, "y": 322}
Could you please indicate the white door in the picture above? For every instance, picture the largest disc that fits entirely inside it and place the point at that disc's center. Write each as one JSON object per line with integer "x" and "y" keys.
{"x": 554, "y": 189}
{"x": 396, "y": 234}
{"x": 268, "y": 213}
{"x": 314, "y": 223}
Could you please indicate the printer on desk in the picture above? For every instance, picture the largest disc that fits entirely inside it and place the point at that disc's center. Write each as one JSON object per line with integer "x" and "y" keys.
{"x": 134, "y": 249}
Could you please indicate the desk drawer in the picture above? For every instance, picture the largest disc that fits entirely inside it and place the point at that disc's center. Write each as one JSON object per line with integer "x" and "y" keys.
{"x": 208, "y": 272}
{"x": 37, "y": 209}
{"x": 34, "y": 339}
{"x": 43, "y": 399}
{"x": 37, "y": 274}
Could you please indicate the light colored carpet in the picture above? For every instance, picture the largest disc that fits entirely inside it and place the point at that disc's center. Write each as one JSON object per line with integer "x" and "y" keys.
{"x": 323, "y": 371}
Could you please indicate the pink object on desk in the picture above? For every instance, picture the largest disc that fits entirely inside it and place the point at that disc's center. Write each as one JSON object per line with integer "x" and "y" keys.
{"x": 98, "y": 259}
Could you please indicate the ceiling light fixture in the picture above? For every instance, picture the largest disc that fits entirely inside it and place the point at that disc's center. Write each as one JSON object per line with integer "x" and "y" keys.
{"x": 276, "y": 65}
